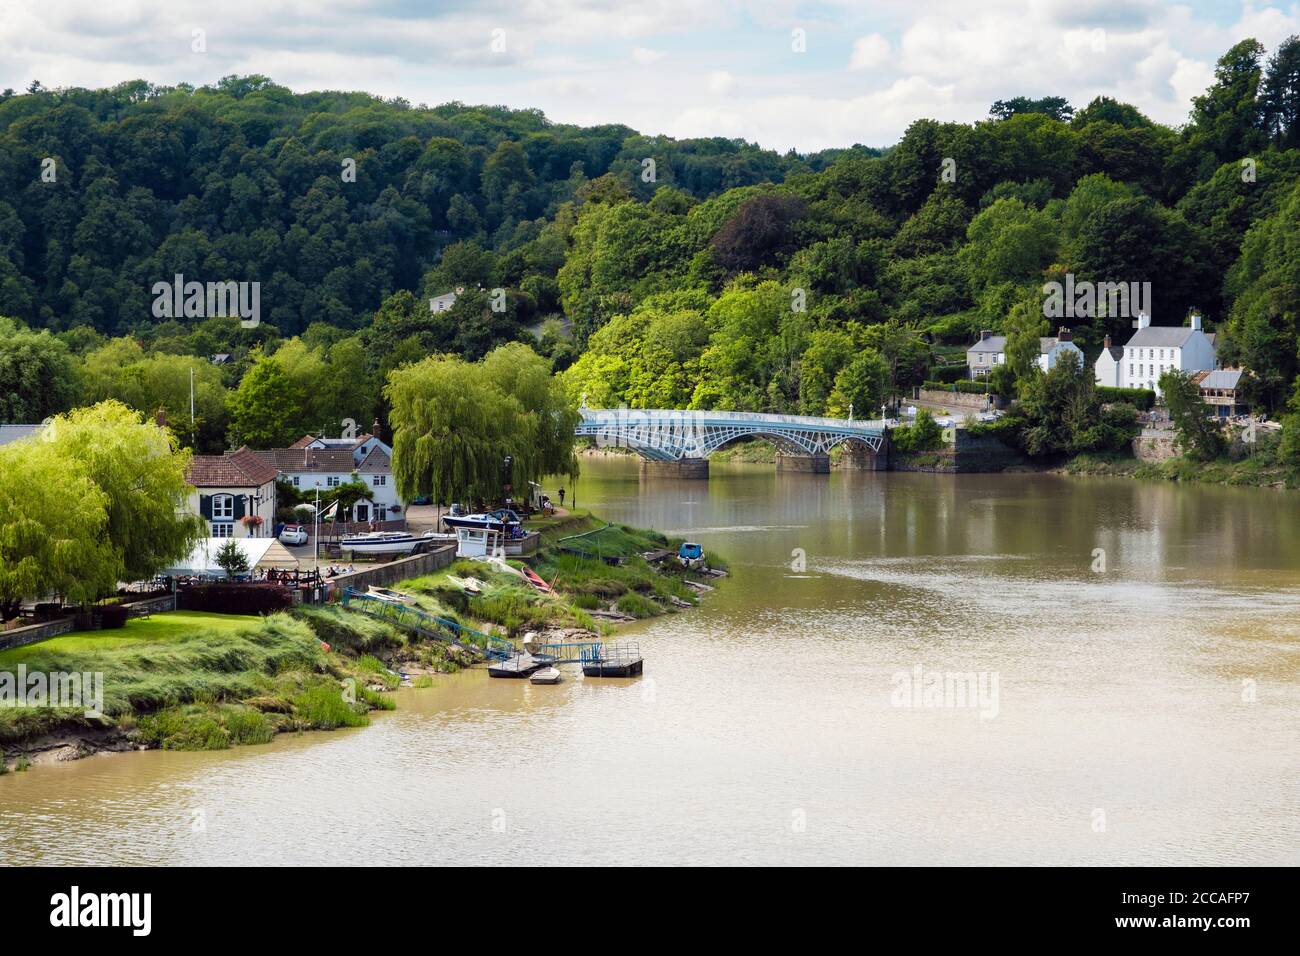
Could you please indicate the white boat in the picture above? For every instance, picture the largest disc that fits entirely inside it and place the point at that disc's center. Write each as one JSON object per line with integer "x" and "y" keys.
{"x": 389, "y": 595}
{"x": 547, "y": 675}
{"x": 382, "y": 542}
{"x": 468, "y": 585}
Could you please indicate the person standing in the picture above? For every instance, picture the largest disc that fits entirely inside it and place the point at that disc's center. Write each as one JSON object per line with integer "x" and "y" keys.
{"x": 561, "y": 497}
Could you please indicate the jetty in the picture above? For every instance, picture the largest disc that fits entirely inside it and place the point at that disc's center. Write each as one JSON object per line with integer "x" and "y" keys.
{"x": 598, "y": 659}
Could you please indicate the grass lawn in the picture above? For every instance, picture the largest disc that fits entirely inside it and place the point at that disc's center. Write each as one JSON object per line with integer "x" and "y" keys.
{"x": 163, "y": 628}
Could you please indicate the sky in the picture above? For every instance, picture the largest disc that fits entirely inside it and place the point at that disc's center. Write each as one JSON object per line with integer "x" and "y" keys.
{"x": 783, "y": 73}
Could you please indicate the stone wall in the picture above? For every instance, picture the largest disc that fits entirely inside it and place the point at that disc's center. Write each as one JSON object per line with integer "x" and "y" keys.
{"x": 388, "y": 574}
{"x": 155, "y": 605}
{"x": 34, "y": 632}
{"x": 965, "y": 401}
{"x": 1155, "y": 445}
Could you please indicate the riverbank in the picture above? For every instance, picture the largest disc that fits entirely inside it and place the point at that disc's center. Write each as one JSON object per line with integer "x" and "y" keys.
{"x": 597, "y": 574}
{"x": 1258, "y": 472}
{"x": 196, "y": 681}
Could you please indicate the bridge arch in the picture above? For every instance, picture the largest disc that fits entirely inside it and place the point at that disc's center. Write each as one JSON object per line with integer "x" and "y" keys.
{"x": 673, "y": 435}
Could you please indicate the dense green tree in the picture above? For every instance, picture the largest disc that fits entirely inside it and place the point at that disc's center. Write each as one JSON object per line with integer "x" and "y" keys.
{"x": 37, "y": 377}
{"x": 1057, "y": 107}
{"x": 1199, "y": 436}
{"x": 266, "y": 409}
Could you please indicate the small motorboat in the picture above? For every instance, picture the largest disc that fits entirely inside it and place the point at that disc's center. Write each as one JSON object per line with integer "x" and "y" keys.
{"x": 381, "y": 542}
{"x": 503, "y": 519}
{"x": 389, "y": 595}
{"x": 547, "y": 675}
{"x": 691, "y": 555}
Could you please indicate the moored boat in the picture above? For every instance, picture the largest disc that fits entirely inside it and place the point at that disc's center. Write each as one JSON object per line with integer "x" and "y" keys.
{"x": 547, "y": 675}
{"x": 503, "y": 519}
{"x": 383, "y": 542}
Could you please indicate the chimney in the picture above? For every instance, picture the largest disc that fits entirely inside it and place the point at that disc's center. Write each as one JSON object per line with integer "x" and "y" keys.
{"x": 374, "y": 429}
{"x": 1144, "y": 321}
{"x": 986, "y": 334}
{"x": 1196, "y": 322}
{"x": 1063, "y": 334}
{"x": 1105, "y": 343}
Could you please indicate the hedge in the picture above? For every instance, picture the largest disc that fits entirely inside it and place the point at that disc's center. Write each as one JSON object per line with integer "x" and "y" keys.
{"x": 1143, "y": 399}
{"x": 234, "y": 598}
{"x": 965, "y": 385}
{"x": 949, "y": 373}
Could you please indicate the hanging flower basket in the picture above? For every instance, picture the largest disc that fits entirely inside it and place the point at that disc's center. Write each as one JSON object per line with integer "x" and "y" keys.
{"x": 252, "y": 521}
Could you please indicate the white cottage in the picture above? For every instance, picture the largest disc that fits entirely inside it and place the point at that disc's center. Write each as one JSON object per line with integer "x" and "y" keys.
{"x": 991, "y": 351}
{"x": 234, "y": 493}
{"x": 1153, "y": 350}
{"x": 326, "y": 463}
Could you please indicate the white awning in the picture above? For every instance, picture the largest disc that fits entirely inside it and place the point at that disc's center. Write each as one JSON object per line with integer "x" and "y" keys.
{"x": 262, "y": 553}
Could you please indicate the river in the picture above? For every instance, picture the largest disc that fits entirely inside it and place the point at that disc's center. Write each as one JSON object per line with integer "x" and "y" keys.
{"x": 1135, "y": 649}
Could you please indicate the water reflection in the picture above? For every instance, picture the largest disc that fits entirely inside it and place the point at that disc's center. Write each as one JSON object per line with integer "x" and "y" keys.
{"x": 764, "y": 729}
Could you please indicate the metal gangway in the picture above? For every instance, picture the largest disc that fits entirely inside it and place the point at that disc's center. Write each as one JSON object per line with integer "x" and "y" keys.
{"x": 428, "y": 625}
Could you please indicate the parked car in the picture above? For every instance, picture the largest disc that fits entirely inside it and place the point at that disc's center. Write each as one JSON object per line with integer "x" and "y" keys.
{"x": 293, "y": 534}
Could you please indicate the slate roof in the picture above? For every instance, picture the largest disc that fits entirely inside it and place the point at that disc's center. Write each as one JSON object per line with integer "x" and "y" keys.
{"x": 1222, "y": 378}
{"x": 234, "y": 469}
{"x": 1161, "y": 336}
{"x": 297, "y": 460}
{"x": 377, "y": 463}
{"x": 994, "y": 343}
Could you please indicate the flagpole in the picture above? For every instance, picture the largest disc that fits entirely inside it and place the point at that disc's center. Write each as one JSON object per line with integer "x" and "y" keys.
{"x": 315, "y": 538}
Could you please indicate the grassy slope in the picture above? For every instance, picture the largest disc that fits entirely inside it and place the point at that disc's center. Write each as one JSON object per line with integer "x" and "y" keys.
{"x": 582, "y": 581}
{"x": 201, "y": 681}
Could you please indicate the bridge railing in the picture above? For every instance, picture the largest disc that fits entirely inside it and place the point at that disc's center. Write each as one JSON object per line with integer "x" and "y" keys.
{"x": 630, "y": 416}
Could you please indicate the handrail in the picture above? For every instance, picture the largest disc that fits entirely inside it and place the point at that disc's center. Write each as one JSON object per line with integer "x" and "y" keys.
{"x": 601, "y": 416}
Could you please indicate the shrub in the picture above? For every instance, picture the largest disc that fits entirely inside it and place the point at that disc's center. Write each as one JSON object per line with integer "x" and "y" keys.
{"x": 922, "y": 435}
{"x": 1143, "y": 399}
{"x": 234, "y": 598}
{"x": 112, "y": 616}
{"x": 962, "y": 385}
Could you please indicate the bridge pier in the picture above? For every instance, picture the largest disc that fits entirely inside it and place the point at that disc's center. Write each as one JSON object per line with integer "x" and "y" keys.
{"x": 805, "y": 464}
{"x": 860, "y": 457}
{"x": 680, "y": 468}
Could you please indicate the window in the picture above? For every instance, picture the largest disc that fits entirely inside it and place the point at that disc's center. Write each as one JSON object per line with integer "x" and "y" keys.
{"x": 295, "y": 481}
{"x": 379, "y": 480}
{"x": 223, "y": 529}
{"x": 332, "y": 481}
{"x": 223, "y": 506}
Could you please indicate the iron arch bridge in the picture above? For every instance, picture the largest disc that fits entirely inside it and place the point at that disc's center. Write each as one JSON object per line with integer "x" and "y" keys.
{"x": 674, "y": 435}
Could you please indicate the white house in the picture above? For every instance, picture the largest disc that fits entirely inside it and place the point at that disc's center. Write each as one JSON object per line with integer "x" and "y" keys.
{"x": 326, "y": 463}
{"x": 234, "y": 493}
{"x": 1153, "y": 350}
{"x": 1108, "y": 364}
{"x": 991, "y": 351}
{"x": 1050, "y": 350}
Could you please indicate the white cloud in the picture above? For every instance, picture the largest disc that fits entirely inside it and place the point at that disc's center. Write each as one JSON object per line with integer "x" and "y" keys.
{"x": 869, "y": 52}
{"x": 678, "y": 67}
{"x": 721, "y": 82}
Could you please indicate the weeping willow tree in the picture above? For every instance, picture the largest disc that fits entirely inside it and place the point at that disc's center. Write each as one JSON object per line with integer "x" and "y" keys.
{"x": 454, "y": 424}
{"x": 97, "y": 498}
